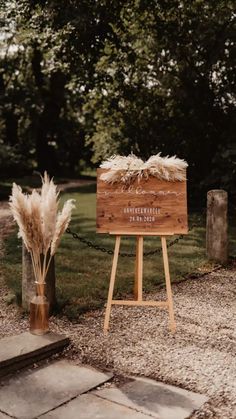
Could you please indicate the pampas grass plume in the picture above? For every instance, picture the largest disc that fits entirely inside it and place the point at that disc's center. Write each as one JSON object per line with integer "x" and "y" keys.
{"x": 49, "y": 209}
{"x": 127, "y": 169}
{"x": 40, "y": 224}
{"x": 20, "y": 208}
{"x": 62, "y": 223}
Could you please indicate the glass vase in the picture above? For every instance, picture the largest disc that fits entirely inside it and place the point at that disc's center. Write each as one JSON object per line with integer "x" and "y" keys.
{"x": 39, "y": 311}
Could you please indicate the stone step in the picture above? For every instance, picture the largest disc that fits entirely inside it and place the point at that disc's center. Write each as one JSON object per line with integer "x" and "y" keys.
{"x": 153, "y": 398}
{"x": 36, "y": 391}
{"x": 22, "y": 350}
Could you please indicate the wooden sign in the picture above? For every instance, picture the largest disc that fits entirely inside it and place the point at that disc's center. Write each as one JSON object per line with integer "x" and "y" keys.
{"x": 150, "y": 206}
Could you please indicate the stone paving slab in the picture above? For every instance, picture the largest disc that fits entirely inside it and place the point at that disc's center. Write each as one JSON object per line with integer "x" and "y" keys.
{"x": 26, "y": 349}
{"x": 154, "y": 398}
{"x": 89, "y": 406}
{"x": 32, "y": 393}
{"x": 3, "y": 416}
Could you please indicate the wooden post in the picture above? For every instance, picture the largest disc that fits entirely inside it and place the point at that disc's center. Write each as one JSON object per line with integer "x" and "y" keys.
{"x": 28, "y": 281}
{"x": 217, "y": 226}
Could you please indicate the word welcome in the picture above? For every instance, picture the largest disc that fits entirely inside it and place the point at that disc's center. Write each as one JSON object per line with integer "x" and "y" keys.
{"x": 132, "y": 190}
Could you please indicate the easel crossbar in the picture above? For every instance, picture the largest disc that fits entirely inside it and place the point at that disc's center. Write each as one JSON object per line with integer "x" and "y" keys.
{"x": 161, "y": 304}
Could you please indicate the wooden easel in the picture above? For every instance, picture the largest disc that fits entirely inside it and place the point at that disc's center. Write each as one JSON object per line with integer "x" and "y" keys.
{"x": 138, "y": 285}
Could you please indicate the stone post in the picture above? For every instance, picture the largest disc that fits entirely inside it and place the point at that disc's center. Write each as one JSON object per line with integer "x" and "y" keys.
{"x": 217, "y": 226}
{"x": 28, "y": 281}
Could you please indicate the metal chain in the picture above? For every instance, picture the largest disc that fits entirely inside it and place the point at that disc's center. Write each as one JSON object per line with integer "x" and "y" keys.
{"x": 129, "y": 255}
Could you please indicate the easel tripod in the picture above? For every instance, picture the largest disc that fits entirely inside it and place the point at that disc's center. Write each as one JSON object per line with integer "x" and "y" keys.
{"x": 138, "y": 287}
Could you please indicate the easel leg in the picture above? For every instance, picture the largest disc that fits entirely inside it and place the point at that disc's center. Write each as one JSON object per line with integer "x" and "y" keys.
{"x": 138, "y": 284}
{"x": 140, "y": 268}
{"x": 112, "y": 283}
{"x": 168, "y": 284}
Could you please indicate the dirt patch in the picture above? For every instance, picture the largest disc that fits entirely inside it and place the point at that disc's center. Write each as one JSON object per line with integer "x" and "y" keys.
{"x": 72, "y": 184}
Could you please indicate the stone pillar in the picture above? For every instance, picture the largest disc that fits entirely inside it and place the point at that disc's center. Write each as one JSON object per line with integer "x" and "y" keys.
{"x": 217, "y": 226}
{"x": 28, "y": 280}
{"x": 51, "y": 285}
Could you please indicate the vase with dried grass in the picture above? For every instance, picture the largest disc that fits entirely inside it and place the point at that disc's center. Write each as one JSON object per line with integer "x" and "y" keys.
{"x": 41, "y": 226}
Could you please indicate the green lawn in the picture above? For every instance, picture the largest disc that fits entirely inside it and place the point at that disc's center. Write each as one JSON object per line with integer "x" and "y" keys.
{"x": 83, "y": 273}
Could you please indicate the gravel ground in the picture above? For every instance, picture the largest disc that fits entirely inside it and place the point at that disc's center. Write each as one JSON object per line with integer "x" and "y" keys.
{"x": 199, "y": 357}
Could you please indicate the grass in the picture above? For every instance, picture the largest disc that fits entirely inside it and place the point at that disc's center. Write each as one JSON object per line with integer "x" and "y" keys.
{"x": 83, "y": 273}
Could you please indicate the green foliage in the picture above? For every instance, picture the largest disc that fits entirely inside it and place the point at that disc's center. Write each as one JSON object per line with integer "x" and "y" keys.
{"x": 165, "y": 82}
{"x": 47, "y": 63}
{"x": 81, "y": 80}
{"x": 11, "y": 161}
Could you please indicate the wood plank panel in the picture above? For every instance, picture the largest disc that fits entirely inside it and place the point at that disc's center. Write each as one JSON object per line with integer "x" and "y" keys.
{"x": 151, "y": 205}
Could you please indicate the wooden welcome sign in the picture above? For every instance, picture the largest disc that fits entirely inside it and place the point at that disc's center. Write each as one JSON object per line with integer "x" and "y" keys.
{"x": 151, "y": 206}
{"x": 141, "y": 204}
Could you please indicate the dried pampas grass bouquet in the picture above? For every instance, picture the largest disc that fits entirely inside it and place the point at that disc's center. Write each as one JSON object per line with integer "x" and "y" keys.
{"x": 126, "y": 169}
{"x": 40, "y": 223}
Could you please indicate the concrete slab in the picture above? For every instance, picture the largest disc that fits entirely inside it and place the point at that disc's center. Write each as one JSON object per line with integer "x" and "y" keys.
{"x": 35, "y": 392}
{"x": 26, "y": 349}
{"x": 89, "y": 406}
{"x": 154, "y": 398}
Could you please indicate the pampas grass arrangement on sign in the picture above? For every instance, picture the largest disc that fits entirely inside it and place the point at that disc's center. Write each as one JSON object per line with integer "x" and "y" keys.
{"x": 125, "y": 170}
{"x": 40, "y": 223}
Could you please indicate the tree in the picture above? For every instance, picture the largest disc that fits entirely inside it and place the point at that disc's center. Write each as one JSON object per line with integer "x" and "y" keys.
{"x": 84, "y": 79}
{"x": 165, "y": 82}
{"x": 48, "y": 66}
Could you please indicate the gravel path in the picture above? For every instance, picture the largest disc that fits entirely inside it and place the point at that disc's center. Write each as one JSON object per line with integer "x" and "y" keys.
{"x": 199, "y": 357}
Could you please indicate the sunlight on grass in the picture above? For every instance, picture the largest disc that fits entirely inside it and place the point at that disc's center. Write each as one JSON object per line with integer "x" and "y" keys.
{"x": 83, "y": 273}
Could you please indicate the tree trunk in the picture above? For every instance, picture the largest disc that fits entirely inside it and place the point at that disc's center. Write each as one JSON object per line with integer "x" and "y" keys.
{"x": 28, "y": 281}
{"x": 11, "y": 123}
{"x": 10, "y": 117}
{"x": 217, "y": 226}
{"x": 53, "y": 99}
